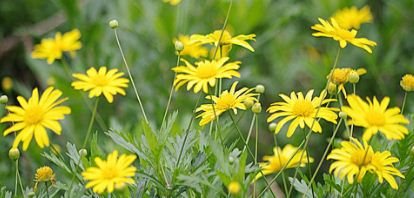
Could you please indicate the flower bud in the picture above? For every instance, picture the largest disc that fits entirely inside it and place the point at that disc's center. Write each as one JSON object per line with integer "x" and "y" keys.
{"x": 179, "y": 46}
{"x": 272, "y": 127}
{"x": 353, "y": 77}
{"x": 257, "y": 108}
{"x": 260, "y": 88}
{"x": 113, "y": 24}
{"x": 332, "y": 88}
{"x": 248, "y": 103}
{"x": 14, "y": 153}
{"x": 83, "y": 152}
{"x": 31, "y": 194}
{"x": 407, "y": 82}
{"x": 4, "y": 99}
{"x": 231, "y": 159}
{"x": 234, "y": 188}
{"x": 343, "y": 115}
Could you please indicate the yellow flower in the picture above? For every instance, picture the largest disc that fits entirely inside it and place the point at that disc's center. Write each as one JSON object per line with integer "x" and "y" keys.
{"x": 204, "y": 74}
{"x": 108, "y": 83}
{"x": 34, "y": 116}
{"x": 234, "y": 187}
{"x": 226, "y": 39}
{"x": 45, "y": 174}
{"x": 228, "y": 100}
{"x": 352, "y": 18}
{"x": 354, "y": 159}
{"x": 407, "y": 82}
{"x": 340, "y": 76}
{"x": 112, "y": 173}
{"x": 374, "y": 116}
{"x": 302, "y": 110}
{"x": 281, "y": 157}
{"x": 172, "y": 2}
{"x": 7, "y": 83}
{"x": 194, "y": 50}
{"x": 334, "y": 31}
{"x": 53, "y": 48}
{"x": 47, "y": 49}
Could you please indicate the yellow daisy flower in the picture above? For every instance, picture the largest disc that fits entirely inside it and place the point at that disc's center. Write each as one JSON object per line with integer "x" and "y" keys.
{"x": 343, "y": 36}
{"x": 205, "y": 73}
{"x": 407, "y": 82}
{"x": 234, "y": 187}
{"x": 112, "y": 173}
{"x": 302, "y": 110}
{"x": 352, "y": 18}
{"x": 281, "y": 157}
{"x": 34, "y": 116}
{"x": 356, "y": 159}
{"x": 226, "y": 39}
{"x": 69, "y": 41}
{"x": 194, "y": 50}
{"x": 340, "y": 76}
{"x": 44, "y": 174}
{"x": 374, "y": 116}
{"x": 108, "y": 83}
{"x": 172, "y": 2}
{"x": 7, "y": 83}
{"x": 228, "y": 100}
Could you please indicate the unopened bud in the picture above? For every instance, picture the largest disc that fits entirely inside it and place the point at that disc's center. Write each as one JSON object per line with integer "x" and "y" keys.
{"x": 179, "y": 46}
{"x": 260, "y": 88}
{"x": 272, "y": 127}
{"x": 4, "y": 99}
{"x": 83, "y": 152}
{"x": 14, "y": 153}
{"x": 257, "y": 108}
{"x": 343, "y": 115}
{"x": 231, "y": 159}
{"x": 113, "y": 24}
{"x": 31, "y": 194}
{"x": 248, "y": 103}
{"x": 332, "y": 88}
{"x": 353, "y": 77}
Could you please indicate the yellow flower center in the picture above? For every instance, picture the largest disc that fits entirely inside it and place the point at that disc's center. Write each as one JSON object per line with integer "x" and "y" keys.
{"x": 303, "y": 108}
{"x": 226, "y": 101}
{"x": 361, "y": 157}
{"x": 100, "y": 81}
{"x": 375, "y": 118}
{"x": 109, "y": 173}
{"x": 206, "y": 70}
{"x": 33, "y": 115}
{"x": 340, "y": 76}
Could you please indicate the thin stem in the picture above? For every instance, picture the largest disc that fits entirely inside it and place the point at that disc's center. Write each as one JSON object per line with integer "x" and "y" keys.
{"x": 17, "y": 173}
{"x": 171, "y": 92}
{"x": 280, "y": 162}
{"x": 345, "y": 122}
{"x": 255, "y": 149}
{"x": 47, "y": 189}
{"x": 404, "y": 101}
{"x": 91, "y": 122}
{"x": 130, "y": 76}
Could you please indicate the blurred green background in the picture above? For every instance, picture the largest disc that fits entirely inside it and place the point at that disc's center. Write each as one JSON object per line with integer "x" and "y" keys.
{"x": 287, "y": 57}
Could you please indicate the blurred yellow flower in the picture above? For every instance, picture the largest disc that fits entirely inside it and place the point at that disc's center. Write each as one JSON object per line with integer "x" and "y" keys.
{"x": 352, "y": 18}
{"x": 204, "y": 74}
{"x": 374, "y": 116}
{"x": 407, "y": 82}
{"x": 172, "y": 2}
{"x": 234, "y": 187}
{"x": 281, "y": 157}
{"x": 334, "y": 31}
{"x": 112, "y": 173}
{"x": 34, "y": 116}
{"x": 44, "y": 174}
{"x": 194, "y": 50}
{"x": 340, "y": 76}
{"x": 7, "y": 83}
{"x": 302, "y": 110}
{"x": 53, "y": 48}
{"x": 108, "y": 83}
{"x": 228, "y": 100}
{"x": 226, "y": 39}
{"x": 354, "y": 159}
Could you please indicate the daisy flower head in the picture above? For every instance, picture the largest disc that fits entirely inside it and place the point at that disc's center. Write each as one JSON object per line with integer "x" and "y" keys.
{"x": 102, "y": 81}
{"x": 354, "y": 159}
{"x": 228, "y": 100}
{"x": 195, "y": 50}
{"x": 340, "y": 76}
{"x": 343, "y": 36}
{"x": 113, "y": 173}
{"x": 280, "y": 159}
{"x": 407, "y": 82}
{"x": 375, "y": 117}
{"x": 302, "y": 110}
{"x": 204, "y": 74}
{"x": 224, "y": 38}
{"x": 352, "y": 18}
{"x": 45, "y": 174}
{"x": 34, "y": 116}
{"x": 69, "y": 41}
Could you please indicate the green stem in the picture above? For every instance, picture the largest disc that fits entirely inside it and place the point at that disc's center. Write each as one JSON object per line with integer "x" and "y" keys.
{"x": 171, "y": 92}
{"x": 280, "y": 162}
{"x": 91, "y": 122}
{"x": 47, "y": 189}
{"x": 130, "y": 77}
{"x": 404, "y": 101}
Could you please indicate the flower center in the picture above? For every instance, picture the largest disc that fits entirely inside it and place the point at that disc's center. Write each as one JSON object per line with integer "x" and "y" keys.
{"x": 375, "y": 118}
{"x": 206, "y": 70}
{"x": 100, "y": 81}
{"x": 33, "y": 115}
{"x": 110, "y": 173}
{"x": 226, "y": 101}
{"x": 361, "y": 157}
{"x": 303, "y": 108}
